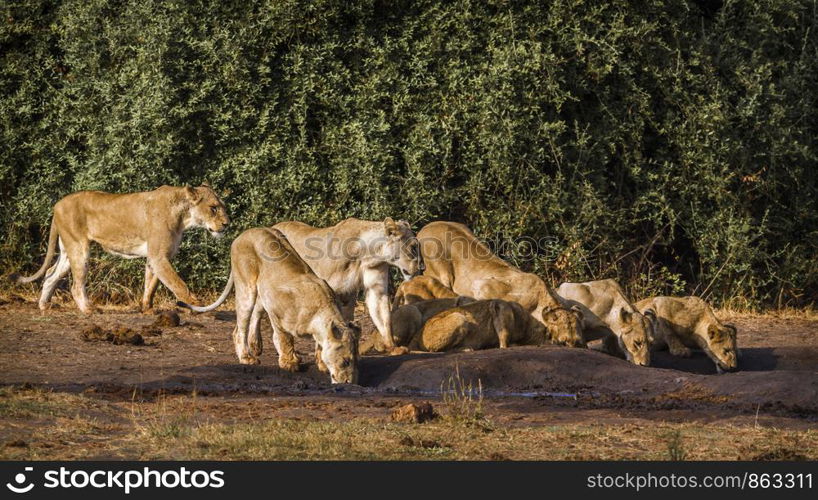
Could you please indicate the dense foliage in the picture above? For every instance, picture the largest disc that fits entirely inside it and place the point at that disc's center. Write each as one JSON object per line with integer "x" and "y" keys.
{"x": 668, "y": 143}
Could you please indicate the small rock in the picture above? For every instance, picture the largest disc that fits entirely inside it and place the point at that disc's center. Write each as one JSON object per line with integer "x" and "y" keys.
{"x": 414, "y": 413}
{"x": 167, "y": 318}
{"x": 17, "y": 443}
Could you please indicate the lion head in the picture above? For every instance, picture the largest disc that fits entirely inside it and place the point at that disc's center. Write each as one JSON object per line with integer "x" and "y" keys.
{"x": 721, "y": 342}
{"x": 207, "y": 210}
{"x": 340, "y": 353}
{"x": 564, "y": 326}
{"x": 636, "y": 335}
{"x": 402, "y": 249}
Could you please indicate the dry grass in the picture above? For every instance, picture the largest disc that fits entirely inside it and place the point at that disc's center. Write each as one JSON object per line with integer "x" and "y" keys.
{"x": 44, "y": 425}
{"x": 807, "y": 313}
{"x": 462, "y": 399}
{"x": 121, "y": 298}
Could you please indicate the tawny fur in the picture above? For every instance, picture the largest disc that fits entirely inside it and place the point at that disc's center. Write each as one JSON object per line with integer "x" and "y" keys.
{"x": 683, "y": 323}
{"x": 147, "y": 225}
{"x": 483, "y": 324}
{"x": 456, "y": 258}
{"x": 408, "y": 320}
{"x": 270, "y": 277}
{"x": 608, "y": 314}
{"x": 355, "y": 255}
{"x": 420, "y": 288}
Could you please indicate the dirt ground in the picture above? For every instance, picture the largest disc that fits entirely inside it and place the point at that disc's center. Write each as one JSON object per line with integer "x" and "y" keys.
{"x": 525, "y": 387}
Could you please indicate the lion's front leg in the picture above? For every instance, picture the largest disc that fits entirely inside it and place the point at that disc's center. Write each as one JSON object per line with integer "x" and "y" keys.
{"x": 167, "y": 275}
{"x": 377, "y": 303}
{"x": 676, "y": 347}
{"x": 319, "y": 362}
{"x": 285, "y": 345}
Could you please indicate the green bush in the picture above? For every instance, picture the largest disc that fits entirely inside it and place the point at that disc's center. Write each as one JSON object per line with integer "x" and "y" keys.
{"x": 670, "y": 144}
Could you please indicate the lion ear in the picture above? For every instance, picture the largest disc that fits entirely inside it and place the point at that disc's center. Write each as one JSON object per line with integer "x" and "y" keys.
{"x": 625, "y": 315}
{"x": 547, "y": 313}
{"x": 390, "y": 226}
{"x": 192, "y": 194}
{"x": 206, "y": 184}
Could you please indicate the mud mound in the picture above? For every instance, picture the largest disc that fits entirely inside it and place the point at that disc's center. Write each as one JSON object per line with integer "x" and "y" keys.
{"x": 594, "y": 376}
{"x": 95, "y": 333}
{"x": 778, "y": 375}
{"x": 119, "y": 336}
{"x": 516, "y": 369}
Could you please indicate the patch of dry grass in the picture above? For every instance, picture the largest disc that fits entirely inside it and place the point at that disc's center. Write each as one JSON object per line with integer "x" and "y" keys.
{"x": 45, "y": 425}
{"x": 808, "y": 313}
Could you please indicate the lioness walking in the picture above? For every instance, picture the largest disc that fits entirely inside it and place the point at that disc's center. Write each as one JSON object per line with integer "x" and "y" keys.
{"x": 133, "y": 225}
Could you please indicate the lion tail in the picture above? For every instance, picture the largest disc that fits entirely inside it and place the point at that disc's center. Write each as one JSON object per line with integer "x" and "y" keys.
{"x": 219, "y": 301}
{"x": 53, "y": 235}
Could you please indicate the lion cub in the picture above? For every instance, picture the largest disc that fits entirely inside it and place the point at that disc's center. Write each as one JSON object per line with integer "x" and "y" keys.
{"x": 480, "y": 325}
{"x": 609, "y": 315}
{"x": 421, "y": 288}
{"x": 408, "y": 320}
{"x": 685, "y": 322}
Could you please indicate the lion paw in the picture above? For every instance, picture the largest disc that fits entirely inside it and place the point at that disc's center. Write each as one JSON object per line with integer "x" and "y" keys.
{"x": 249, "y": 360}
{"x": 398, "y": 351}
{"x": 289, "y": 365}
